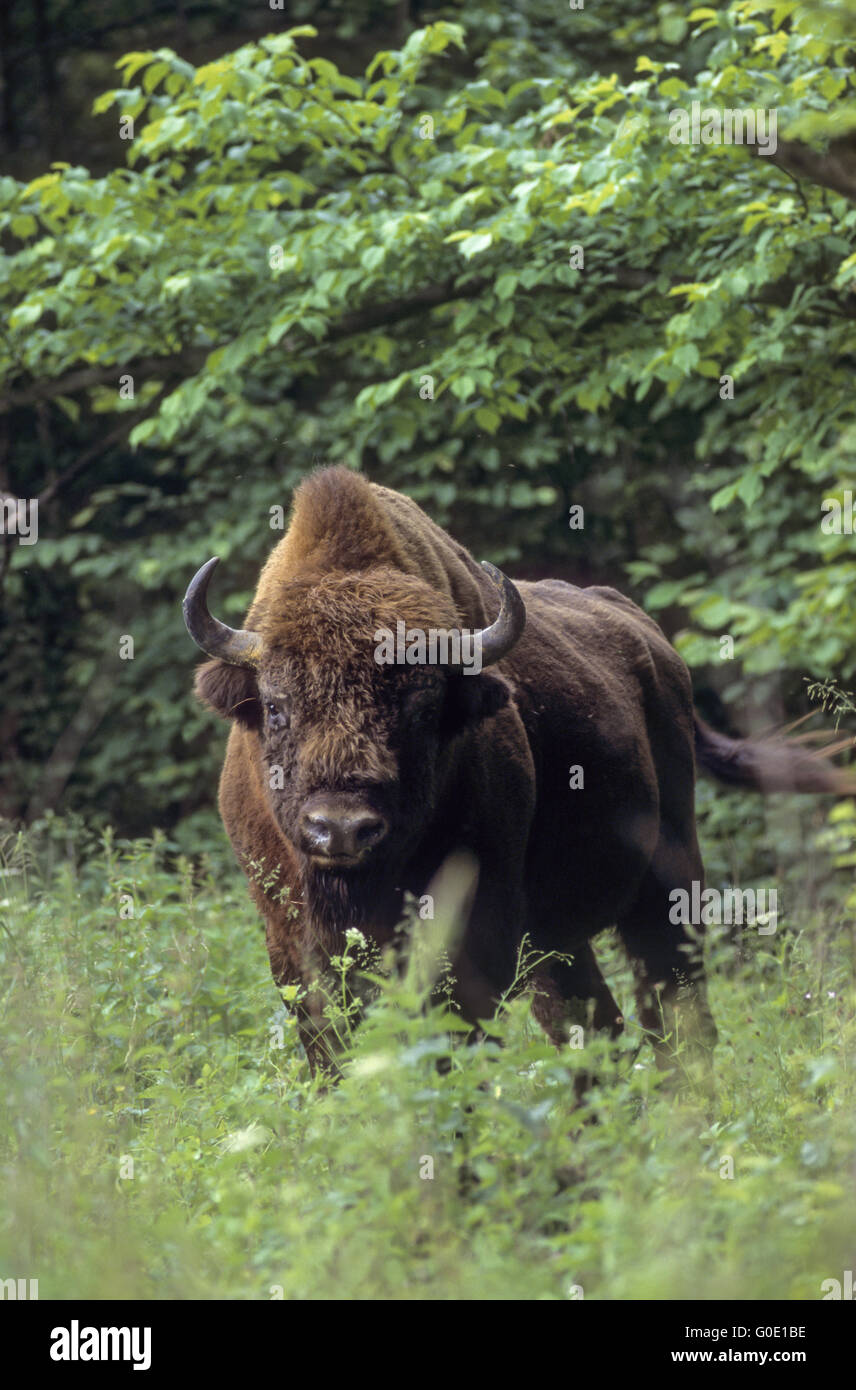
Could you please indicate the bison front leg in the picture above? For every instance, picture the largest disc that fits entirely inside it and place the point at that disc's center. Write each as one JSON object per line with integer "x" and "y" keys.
{"x": 573, "y": 994}
{"x": 289, "y": 965}
{"x": 321, "y": 1043}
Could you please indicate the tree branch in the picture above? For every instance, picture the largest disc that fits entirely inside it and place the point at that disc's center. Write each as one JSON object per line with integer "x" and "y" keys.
{"x": 62, "y": 761}
{"x": 835, "y": 168}
{"x": 185, "y": 363}
{"x": 115, "y": 436}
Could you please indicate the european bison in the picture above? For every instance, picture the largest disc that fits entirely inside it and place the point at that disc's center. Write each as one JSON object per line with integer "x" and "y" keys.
{"x": 352, "y": 777}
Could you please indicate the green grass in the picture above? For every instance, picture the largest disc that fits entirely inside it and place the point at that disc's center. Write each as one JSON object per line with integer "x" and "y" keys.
{"x": 141, "y": 1034}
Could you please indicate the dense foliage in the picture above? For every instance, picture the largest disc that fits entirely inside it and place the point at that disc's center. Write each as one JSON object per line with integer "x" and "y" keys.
{"x": 480, "y": 271}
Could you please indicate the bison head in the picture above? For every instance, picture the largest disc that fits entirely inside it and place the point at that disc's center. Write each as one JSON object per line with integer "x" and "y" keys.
{"x": 355, "y": 750}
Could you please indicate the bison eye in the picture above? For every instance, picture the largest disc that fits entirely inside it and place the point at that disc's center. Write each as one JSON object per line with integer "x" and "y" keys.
{"x": 277, "y": 718}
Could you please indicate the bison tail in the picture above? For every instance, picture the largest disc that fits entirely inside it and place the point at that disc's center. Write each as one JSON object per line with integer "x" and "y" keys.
{"x": 770, "y": 765}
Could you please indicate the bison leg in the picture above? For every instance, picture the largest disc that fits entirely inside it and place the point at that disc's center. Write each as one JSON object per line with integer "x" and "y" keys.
{"x": 573, "y": 993}
{"x": 671, "y": 989}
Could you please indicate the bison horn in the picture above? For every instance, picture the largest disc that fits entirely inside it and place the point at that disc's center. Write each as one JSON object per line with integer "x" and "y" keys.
{"x": 232, "y": 645}
{"x": 498, "y": 639}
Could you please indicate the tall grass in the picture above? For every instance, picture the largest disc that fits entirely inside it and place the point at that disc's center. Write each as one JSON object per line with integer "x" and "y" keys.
{"x": 161, "y": 1136}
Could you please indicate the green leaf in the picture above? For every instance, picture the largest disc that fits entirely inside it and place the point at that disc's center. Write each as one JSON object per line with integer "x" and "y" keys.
{"x": 475, "y": 244}
{"x": 463, "y": 387}
{"x": 488, "y": 419}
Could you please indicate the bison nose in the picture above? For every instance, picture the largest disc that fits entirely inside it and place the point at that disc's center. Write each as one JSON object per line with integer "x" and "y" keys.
{"x": 336, "y": 833}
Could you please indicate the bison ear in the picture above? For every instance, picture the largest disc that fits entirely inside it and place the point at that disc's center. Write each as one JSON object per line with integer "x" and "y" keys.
{"x": 230, "y": 691}
{"x": 473, "y": 698}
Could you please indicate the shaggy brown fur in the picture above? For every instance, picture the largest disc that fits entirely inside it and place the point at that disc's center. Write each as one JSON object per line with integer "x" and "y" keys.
{"x": 480, "y": 763}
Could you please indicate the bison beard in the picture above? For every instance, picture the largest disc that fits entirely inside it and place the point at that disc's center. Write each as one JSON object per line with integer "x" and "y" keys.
{"x": 336, "y": 901}
{"x": 387, "y": 770}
